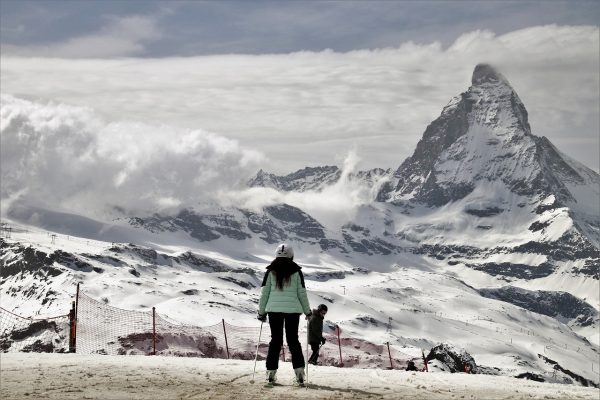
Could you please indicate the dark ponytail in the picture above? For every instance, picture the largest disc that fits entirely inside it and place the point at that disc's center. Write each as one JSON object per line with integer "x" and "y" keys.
{"x": 283, "y": 268}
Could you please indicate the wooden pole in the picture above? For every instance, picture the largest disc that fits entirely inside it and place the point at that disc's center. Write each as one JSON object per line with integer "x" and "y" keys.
{"x": 76, "y": 320}
{"x": 390, "y": 354}
{"x": 153, "y": 331}
{"x": 72, "y": 328}
{"x": 225, "y": 333}
{"x": 339, "y": 345}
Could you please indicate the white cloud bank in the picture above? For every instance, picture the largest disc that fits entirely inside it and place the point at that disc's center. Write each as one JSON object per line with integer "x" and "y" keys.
{"x": 308, "y": 108}
{"x": 67, "y": 158}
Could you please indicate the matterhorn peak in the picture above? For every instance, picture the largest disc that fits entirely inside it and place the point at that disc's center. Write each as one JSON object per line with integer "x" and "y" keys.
{"x": 496, "y": 104}
{"x": 482, "y": 135}
{"x": 485, "y": 73}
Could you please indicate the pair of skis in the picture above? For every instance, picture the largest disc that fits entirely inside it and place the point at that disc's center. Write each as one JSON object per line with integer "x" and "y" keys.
{"x": 272, "y": 384}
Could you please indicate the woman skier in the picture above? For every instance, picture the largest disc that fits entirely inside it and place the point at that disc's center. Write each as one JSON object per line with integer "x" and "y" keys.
{"x": 283, "y": 298}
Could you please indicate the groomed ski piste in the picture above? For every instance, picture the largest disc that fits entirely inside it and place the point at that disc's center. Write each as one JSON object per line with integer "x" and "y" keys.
{"x": 74, "y": 376}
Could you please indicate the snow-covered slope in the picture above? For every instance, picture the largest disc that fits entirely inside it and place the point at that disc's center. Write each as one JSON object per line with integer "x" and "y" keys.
{"x": 477, "y": 240}
{"x": 412, "y": 304}
{"x": 74, "y": 376}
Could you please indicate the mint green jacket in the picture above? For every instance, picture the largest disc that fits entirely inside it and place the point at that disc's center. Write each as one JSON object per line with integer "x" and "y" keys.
{"x": 292, "y": 299}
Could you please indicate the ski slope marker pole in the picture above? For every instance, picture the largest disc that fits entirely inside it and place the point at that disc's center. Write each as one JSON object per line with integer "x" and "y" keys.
{"x": 256, "y": 355}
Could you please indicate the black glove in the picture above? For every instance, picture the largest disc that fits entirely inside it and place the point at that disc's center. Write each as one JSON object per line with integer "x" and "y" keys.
{"x": 262, "y": 317}
{"x": 322, "y": 341}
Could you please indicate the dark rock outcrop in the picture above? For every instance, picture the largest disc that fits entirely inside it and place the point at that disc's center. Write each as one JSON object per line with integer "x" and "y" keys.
{"x": 455, "y": 359}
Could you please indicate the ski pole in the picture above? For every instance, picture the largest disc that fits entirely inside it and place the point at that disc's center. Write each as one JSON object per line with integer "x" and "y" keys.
{"x": 307, "y": 353}
{"x": 256, "y": 355}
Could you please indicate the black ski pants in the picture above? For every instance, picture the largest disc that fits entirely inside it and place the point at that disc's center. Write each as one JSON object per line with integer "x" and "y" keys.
{"x": 277, "y": 321}
{"x": 315, "y": 352}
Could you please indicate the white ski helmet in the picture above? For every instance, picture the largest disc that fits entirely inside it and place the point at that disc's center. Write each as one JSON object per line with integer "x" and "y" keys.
{"x": 283, "y": 250}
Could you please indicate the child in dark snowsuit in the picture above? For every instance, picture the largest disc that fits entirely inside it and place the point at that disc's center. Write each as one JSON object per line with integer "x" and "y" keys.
{"x": 315, "y": 332}
{"x": 411, "y": 366}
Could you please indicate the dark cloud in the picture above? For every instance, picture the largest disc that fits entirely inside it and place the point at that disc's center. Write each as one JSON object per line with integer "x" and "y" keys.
{"x": 262, "y": 27}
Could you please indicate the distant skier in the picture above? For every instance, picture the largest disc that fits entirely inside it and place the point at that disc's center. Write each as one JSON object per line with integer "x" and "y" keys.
{"x": 283, "y": 297}
{"x": 315, "y": 332}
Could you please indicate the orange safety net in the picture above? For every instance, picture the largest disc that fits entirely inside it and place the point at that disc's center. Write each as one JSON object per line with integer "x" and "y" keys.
{"x": 40, "y": 335}
{"x": 104, "y": 329}
{"x": 360, "y": 353}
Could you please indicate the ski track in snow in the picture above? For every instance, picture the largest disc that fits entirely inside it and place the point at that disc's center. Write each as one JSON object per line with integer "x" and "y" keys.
{"x": 73, "y": 376}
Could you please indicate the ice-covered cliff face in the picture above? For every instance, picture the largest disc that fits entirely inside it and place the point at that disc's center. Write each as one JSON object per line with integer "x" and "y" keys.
{"x": 482, "y": 135}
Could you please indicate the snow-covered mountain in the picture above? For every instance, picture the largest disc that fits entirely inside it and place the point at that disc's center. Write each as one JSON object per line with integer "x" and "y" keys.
{"x": 481, "y": 151}
{"x": 486, "y": 238}
{"x": 313, "y": 178}
{"x": 483, "y": 134}
{"x": 302, "y": 180}
{"x": 481, "y": 191}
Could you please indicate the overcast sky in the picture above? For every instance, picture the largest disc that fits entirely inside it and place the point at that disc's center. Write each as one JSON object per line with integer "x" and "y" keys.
{"x": 278, "y": 85}
{"x": 189, "y": 28}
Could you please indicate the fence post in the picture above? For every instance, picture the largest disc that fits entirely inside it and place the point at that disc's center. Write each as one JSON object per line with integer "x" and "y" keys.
{"x": 76, "y": 320}
{"x": 390, "y": 354}
{"x": 153, "y": 331}
{"x": 225, "y": 333}
{"x": 72, "y": 328}
{"x": 339, "y": 345}
{"x": 424, "y": 361}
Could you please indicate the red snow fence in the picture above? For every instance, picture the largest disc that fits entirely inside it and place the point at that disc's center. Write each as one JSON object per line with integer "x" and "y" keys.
{"x": 103, "y": 329}
{"x": 94, "y": 327}
{"x": 38, "y": 335}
